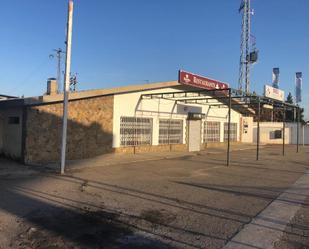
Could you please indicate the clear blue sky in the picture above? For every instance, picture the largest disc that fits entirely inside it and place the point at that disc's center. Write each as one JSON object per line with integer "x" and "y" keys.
{"x": 120, "y": 42}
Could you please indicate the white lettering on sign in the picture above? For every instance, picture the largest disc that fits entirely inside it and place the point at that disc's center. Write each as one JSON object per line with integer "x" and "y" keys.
{"x": 200, "y": 81}
{"x": 206, "y": 83}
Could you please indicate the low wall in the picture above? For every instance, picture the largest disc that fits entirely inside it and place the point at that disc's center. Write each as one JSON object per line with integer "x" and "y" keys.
{"x": 218, "y": 145}
{"x": 268, "y": 133}
{"x": 167, "y": 148}
{"x": 152, "y": 148}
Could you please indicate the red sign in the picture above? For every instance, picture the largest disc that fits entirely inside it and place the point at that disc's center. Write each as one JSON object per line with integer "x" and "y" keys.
{"x": 200, "y": 81}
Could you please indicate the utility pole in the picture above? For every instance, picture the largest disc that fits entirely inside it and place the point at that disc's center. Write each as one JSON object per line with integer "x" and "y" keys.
{"x": 59, "y": 53}
{"x": 66, "y": 87}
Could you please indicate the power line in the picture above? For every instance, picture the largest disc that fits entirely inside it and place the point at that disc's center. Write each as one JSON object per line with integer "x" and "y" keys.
{"x": 23, "y": 83}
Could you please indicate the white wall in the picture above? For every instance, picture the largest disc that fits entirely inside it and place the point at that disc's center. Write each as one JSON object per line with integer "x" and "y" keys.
{"x": 130, "y": 105}
{"x": 266, "y": 128}
{"x": 303, "y": 133}
{"x": 246, "y": 129}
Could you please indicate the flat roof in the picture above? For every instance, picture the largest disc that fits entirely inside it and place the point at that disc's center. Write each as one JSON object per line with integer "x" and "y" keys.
{"x": 7, "y": 96}
{"x": 56, "y": 98}
{"x": 46, "y": 99}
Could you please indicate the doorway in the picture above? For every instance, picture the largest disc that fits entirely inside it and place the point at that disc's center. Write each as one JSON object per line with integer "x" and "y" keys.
{"x": 194, "y": 135}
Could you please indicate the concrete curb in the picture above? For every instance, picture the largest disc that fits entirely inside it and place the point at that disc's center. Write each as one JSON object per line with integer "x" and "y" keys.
{"x": 268, "y": 227}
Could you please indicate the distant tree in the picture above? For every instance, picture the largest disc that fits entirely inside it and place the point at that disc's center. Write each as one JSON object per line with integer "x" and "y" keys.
{"x": 301, "y": 112}
{"x": 289, "y": 115}
{"x": 290, "y": 99}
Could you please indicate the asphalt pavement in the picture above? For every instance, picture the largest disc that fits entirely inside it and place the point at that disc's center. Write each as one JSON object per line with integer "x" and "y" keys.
{"x": 181, "y": 201}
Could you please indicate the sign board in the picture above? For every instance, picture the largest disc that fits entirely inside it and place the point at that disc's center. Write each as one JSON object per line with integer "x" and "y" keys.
{"x": 198, "y": 81}
{"x": 273, "y": 93}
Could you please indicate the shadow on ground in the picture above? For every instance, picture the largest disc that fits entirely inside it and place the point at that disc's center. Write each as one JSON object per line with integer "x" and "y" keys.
{"x": 49, "y": 227}
{"x": 55, "y": 221}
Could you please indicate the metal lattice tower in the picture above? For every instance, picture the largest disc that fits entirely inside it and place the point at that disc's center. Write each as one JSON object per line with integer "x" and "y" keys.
{"x": 244, "y": 65}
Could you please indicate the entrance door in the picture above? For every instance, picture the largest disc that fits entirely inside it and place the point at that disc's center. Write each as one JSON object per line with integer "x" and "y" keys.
{"x": 194, "y": 135}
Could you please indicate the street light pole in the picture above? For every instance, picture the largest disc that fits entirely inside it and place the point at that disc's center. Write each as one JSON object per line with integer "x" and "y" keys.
{"x": 66, "y": 87}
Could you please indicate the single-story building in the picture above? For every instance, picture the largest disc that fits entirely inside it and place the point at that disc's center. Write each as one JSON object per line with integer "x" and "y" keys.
{"x": 129, "y": 119}
{"x": 5, "y": 97}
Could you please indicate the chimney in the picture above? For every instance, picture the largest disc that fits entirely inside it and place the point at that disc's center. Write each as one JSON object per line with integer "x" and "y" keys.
{"x": 52, "y": 86}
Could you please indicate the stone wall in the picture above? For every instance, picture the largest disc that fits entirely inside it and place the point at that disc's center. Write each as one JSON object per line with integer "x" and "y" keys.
{"x": 205, "y": 146}
{"x": 152, "y": 148}
{"x": 90, "y": 130}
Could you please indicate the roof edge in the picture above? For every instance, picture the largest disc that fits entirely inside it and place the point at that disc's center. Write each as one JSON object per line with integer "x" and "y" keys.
{"x": 46, "y": 99}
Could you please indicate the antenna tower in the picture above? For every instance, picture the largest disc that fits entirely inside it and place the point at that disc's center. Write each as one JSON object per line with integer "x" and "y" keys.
{"x": 248, "y": 55}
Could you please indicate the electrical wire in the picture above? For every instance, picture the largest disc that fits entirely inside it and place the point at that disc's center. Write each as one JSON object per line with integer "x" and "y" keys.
{"x": 24, "y": 83}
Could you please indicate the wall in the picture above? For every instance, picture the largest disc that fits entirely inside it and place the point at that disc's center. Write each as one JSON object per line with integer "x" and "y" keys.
{"x": 131, "y": 105}
{"x": 303, "y": 133}
{"x": 247, "y": 129}
{"x": 11, "y": 134}
{"x": 267, "y": 128}
{"x": 90, "y": 127}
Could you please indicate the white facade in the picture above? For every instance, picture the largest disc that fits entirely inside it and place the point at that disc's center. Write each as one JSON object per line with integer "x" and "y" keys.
{"x": 131, "y": 105}
{"x": 268, "y": 129}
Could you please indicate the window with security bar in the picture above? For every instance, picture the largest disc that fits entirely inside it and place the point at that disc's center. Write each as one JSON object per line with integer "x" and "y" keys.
{"x": 170, "y": 131}
{"x": 233, "y": 132}
{"x": 135, "y": 131}
{"x": 211, "y": 131}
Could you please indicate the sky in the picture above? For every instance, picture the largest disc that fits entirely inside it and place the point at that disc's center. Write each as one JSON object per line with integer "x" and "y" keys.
{"x": 122, "y": 42}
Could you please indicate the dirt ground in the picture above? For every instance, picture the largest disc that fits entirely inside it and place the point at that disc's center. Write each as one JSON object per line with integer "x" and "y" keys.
{"x": 193, "y": 201}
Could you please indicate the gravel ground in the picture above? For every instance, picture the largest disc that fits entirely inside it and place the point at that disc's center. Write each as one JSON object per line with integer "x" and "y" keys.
{"x": 193, "y": 201}
{"x": 296, "y": 235}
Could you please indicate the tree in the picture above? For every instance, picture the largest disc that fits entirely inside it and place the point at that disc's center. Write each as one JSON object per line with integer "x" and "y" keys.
{"x": 301, "y": 112}
{"x": 289, "y": 114}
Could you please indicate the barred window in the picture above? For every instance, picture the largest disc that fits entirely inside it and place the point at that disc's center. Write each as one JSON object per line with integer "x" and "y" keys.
{"x": 233, "y": 133}
{"x": 170, "y": 131}
{"x": 13, "y": 120}
{"x": 211, "y": 131}
{"x": 135, "y": 131}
